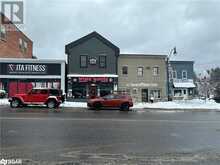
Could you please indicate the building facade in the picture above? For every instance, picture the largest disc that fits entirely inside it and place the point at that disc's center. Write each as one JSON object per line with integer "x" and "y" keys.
{"x": 13, "y": 42}
{"x": 21, "y": 75}
{"x": 143, "y": 76}
{"x": 181, "y": 79}
{"x": 92, "y": 67}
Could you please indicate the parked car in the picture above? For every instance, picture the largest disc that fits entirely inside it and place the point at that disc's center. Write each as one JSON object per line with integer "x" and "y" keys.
{"x": 52, "y": 98}
{"x": 217, "y": 99}
{"x": 2, "y": 93}
{"x": 121, "y": 101}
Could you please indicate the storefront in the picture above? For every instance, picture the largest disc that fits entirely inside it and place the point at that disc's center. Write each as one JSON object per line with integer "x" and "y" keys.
{"x": 84, "y": 86}
{"x": 21, "y": 75}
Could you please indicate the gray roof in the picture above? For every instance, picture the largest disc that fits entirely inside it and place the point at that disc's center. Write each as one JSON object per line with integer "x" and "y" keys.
{"x": 144, "y": 55}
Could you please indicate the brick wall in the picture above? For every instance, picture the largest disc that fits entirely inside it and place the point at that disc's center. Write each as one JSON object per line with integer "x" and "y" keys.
{"x": 9, "y": 47}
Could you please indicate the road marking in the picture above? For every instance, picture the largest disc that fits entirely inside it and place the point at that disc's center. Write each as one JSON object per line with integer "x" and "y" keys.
{"x": 111, "y": 120}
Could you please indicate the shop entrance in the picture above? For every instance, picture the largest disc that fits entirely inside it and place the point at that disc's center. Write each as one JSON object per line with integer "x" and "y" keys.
{"x": 144, "y": 93}
{"x": 93, "y": 90}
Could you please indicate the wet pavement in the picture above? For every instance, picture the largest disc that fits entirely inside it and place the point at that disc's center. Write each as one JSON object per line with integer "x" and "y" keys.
{"x": 38, "y": 136}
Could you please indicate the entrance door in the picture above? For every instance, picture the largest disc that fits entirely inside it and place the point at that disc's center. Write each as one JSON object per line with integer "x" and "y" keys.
{"x": 144, "y": 95}
{"x": 92, "y": 91}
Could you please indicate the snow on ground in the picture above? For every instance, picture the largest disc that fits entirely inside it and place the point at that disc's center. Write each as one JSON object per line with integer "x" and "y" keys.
{"x": 180, "y": 104}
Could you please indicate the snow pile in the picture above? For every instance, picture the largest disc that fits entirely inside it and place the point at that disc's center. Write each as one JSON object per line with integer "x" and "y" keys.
{"x": 74, "y": 104}
{"x": 4, "y": 102}
{"x": 181, "y": 104}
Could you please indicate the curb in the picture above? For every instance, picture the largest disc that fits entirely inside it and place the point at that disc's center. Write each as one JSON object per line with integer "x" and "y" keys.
{"x": 181, "y": 109}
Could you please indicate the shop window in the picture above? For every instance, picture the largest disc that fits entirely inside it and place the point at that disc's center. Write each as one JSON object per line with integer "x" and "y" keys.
{"x": 79, "y": 92}
{"x": 155, "y": 94}
{"x": 83, "y": 61}
{"x": 140, "y": 71}
{"x": 102, "y": 61}
{"x": 177, "y": 93}
{"x": 184, "y": 75}
{"x": 125, "y": 70}
{"x": 2, "y": 32}
{"x": 156, "y": 71}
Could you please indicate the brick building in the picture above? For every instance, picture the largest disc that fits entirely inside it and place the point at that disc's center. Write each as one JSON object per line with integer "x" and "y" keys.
{"x": 13, "y": 42}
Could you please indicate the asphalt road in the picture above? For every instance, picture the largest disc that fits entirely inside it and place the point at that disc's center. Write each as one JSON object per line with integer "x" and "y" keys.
{"x": 38, "y": 136}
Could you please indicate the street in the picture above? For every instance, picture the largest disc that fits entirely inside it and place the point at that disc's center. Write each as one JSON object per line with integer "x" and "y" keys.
{"x": 38, "y": 136}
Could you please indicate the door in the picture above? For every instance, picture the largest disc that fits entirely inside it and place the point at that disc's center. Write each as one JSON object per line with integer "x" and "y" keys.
{"x": 144, "y": 93}
{"x": 92, "y": 91}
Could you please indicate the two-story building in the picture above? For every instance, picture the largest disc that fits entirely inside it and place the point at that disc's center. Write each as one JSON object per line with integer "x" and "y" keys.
{"x": 143, "y": 76}
{"x": 181, "y": 79}
{"x": 92, "y": 67}
{"x": 13, "y": 42}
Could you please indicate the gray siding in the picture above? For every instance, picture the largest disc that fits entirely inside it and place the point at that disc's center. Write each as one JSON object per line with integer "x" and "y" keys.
{"x": 179, "y": 66}
{"x": 93, "y": 48}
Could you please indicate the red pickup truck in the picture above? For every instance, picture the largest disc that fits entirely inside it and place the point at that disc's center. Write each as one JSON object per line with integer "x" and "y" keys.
{"x": 52, "y": 98}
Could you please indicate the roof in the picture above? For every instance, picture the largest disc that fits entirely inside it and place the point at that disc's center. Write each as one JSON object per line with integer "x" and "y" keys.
{"x": 184, "y": 85}
{"x": 10, "y": 22}
{"x": 178, "y": 62}
{"x": 89, "y": 36}
{"x": 144, "y": 55}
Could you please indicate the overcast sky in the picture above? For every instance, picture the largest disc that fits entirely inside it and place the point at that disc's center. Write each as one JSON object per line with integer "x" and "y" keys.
{"x": 136, "y": 26}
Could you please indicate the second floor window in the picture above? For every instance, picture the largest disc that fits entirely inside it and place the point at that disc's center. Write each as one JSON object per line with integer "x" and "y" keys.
{"x": 124, "y": 70}
{"x": 23, "y": 45}
{"x": 156, "y": 71}
{"x": 102, "y": 61}
{"x": 83, "y": 61}
{"x": 184, "y": 75}
{"x": 2, "y": 32}
{"x": 140, "y": 71}
{"x": 174, "y": 74}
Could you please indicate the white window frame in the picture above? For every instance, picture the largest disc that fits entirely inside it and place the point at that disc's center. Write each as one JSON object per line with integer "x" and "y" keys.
{"x": 3, "y": 31}
{"x": 142, "y": 75}
{"x": 155, "y": 73}
{"x": 122, "y": 70}
{"x": 184, "y": 71}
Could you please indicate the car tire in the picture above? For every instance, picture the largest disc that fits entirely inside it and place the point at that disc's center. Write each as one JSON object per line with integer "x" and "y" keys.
{"x": 51, "y": 104}
{"x": 97, "y": 105}
{"x": 125, "y": 107}
{"x": 15, "y": 103}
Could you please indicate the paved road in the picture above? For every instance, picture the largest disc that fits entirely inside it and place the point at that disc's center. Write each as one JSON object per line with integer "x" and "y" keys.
{"x": 38, "y": 136}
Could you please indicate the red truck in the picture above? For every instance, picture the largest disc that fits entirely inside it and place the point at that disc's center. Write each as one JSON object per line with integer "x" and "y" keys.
{"x": 121, "y": 101}
{"x": 52, "y": 98}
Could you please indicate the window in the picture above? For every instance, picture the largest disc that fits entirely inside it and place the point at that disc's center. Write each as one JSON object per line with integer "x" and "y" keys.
{"x": 2, "y": 32}
{"x": 174, "y": 74}
{"x": 156, "y": 71}
{"x": 184, "y": 74}
{"x": 102, "y": 61}
{"x": 124, "y": 70}
{"x": 155, "y": 94}
{"x": 140, "y": 71}
{"x": 23, "y": 45}
{"x": 83, "y": 61}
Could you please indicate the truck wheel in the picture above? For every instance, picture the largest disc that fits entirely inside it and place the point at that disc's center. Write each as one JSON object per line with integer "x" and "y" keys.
{"x": 51, "y": 104}
{"x": 15, "y": 103}
{"x": 125, "y": 107}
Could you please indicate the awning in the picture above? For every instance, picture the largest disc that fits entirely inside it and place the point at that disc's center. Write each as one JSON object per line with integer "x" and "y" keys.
{"x": 92, "y": 75}
{"x": 184, "y": 85}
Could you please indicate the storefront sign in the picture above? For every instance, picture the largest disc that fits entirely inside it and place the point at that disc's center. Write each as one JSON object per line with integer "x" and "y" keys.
{"x": 29, "y": 68}
{"x": 142, "y": 85}
{"x": 92, "y": 61}
{"x": 93, "y": 79}
{"x": 26, "y": 69}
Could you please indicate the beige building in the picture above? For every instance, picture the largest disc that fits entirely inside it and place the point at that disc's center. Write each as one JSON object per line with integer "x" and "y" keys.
{"x": 143, "y": 76}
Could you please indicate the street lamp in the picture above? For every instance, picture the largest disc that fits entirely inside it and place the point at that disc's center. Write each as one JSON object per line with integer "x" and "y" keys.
{"x": 169, "y": 69}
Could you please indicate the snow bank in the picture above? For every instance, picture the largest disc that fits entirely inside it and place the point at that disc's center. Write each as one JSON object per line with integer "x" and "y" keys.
{"x": 181, "y": 104}
{"x": 4, "y": 102}
{"x": 188, "y": 104}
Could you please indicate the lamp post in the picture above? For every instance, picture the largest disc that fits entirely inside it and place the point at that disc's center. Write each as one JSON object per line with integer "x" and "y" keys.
{"x": 172, "y": 52}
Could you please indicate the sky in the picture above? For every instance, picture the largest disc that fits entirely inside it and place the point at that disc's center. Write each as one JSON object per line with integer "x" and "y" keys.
{"x": 136, "y": 26}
